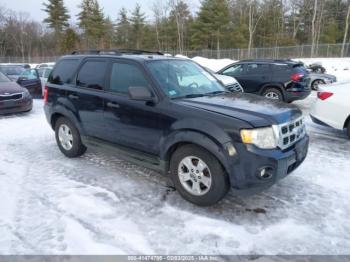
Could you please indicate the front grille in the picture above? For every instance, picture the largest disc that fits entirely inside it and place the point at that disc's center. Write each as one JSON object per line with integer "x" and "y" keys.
{"x": 290, "y": 133}
{"x": 235, "y": 87}
{"x": 11, "y": 97}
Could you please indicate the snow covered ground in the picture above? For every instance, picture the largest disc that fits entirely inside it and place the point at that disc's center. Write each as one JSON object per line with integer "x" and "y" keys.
{"x": 99, "y": 204}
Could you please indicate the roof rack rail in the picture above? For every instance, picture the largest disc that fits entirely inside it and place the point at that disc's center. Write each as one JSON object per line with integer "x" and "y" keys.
{"x": 97, "y": 52}
{"x": 139, "y": 52}
{"x": 115, "y": 52}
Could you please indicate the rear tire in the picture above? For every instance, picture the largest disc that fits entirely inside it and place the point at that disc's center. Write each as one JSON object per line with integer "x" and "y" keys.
{"x": 68, "y": 138}
{"x": 198, "y": 176}
{"x": 316, "y": 83}
{"x": 273, "y": 93}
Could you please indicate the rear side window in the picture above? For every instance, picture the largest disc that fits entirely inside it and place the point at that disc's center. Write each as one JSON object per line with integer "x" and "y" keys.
{"x": 124, "y": 76}
{"x": 63, "y": 72}
{"x": 92, "y": 75}
{"x": 257, "y": 68}
{"x": 300, "y": 69}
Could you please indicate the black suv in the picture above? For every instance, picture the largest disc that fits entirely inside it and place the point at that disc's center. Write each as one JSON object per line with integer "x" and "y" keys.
{"x": 283, "y": 80}
{"x": 171, "y": 115}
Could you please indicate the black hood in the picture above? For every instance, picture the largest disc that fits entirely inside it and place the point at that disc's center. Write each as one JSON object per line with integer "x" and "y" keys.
{"x": 256, "y": 110}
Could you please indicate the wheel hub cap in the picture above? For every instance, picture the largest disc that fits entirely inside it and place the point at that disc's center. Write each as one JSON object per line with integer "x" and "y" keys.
{"x": 194, "y": 175}
{"x": 65, "y": 137}
{"x": 272, "y": 95}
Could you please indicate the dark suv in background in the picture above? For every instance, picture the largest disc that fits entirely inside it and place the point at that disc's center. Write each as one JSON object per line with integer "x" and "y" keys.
{"x": 172, "y": 115}
{"x": 283, "y": 80}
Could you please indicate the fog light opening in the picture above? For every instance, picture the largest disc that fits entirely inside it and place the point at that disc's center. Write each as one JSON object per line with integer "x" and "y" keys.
{"x": 265, "y": 173}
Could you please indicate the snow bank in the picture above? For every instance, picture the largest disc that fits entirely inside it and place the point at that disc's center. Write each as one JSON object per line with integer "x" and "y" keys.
{"x": 213, "y": 64}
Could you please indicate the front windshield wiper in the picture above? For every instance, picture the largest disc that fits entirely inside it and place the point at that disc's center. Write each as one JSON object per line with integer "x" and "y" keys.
{"x": 189, "y": 96}
{"x": 217, "y": 93}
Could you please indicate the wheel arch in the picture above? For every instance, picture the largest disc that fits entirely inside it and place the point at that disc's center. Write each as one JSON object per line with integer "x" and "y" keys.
{"x": 193, "y": 137}
{"x": 61, "y": 112}
{"x": 347, "y": 122}
{"x": 277, "y": 86}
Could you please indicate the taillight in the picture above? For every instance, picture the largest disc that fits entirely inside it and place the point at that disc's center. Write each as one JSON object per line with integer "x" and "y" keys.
{"x": 297, "y": 77}
{"x": 46, "y": 94}
{"x": 324, "y": 95}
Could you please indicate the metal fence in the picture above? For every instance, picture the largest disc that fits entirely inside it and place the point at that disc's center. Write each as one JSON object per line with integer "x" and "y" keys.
{"x": 302, "y": 51}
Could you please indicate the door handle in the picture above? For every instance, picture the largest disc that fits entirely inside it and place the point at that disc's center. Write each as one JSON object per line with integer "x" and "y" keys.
{"x": 73, "y": 97}
{"x": 113, "y": 105}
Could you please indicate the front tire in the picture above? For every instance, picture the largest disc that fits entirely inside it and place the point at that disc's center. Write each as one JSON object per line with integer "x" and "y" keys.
{"x": 68, "y": 138}
{"x": 273, "y": 93}
{"x": 198, "y": 176}
{"x": 348, "y": 130}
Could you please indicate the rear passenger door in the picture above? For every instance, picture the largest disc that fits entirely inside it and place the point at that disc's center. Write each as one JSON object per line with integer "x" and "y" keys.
{"x": 130, "y": 123}
{"x": 254, "y": 76}
{"x": 87, "y": 96}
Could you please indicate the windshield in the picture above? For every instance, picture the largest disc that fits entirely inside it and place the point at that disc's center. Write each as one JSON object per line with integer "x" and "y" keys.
{"x": 12, "y": 70}
{"x": 180, "y": 78}
{"x": 3, "y": 78}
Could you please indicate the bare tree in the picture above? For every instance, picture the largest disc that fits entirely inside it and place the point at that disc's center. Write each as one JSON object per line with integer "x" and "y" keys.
{"x": 313, "y": 29}
{"x": 160, "y": 14}
{"x": 345, "y": 31}
{"x": 252, "y": 25}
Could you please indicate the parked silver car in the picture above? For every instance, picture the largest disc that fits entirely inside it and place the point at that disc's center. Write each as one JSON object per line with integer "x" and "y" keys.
{"x": 317, "y": 79}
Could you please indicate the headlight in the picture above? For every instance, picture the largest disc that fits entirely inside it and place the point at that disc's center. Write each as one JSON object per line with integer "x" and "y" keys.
{"x": 264, "y": 138}
{"x": 26, "y": 93}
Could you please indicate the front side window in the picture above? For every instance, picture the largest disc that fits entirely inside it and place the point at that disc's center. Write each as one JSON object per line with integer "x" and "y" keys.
{"x": 179, "y": 78}
{"x": 124, "y": 76}
{"x": 92, "y": 75}
{"x": 234, "y": 70}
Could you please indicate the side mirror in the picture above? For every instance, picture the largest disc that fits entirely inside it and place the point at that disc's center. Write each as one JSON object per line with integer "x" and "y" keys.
{"x": 140, "y": 93}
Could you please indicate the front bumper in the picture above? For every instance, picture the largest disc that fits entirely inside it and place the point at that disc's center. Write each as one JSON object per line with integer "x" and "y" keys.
{"x": 244, "y": 174}
{"x": 24, "y": 105}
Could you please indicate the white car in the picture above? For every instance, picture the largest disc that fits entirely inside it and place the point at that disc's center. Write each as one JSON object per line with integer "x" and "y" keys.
{"x": 332, "y": 107}
{"x": 229, "y": 82}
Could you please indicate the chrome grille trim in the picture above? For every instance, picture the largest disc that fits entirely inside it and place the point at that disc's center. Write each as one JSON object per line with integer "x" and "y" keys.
{"x": 290, "y": 133}
{"x": 234, "y": 87}
{"x": 11, "y": 97}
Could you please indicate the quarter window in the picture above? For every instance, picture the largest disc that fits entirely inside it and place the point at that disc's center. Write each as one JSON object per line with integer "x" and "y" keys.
{"x": 124, "y": 76}
{"x": 92, "y": 75}
{"x": 63, "y": 72}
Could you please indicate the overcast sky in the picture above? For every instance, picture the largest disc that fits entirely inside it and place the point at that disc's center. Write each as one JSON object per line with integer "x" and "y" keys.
{"x": 110, "y": 7}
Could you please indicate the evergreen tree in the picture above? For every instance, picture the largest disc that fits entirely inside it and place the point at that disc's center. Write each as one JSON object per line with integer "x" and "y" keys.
{"x": 123, "y": 29}
{"x": 57, "y": 15}
{"x": 212, "y": 22}
{"x": 92, "y": 22}
{"x": 70, "y": 40}
{"x": 137, "y": 22}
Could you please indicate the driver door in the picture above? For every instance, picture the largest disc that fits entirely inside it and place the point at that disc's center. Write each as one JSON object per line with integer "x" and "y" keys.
{"x": 135, "y": 124}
